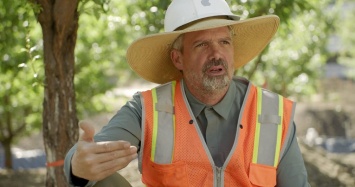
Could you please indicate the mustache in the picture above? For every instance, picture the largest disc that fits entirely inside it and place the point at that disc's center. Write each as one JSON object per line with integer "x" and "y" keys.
{"x": 214, "y": 62}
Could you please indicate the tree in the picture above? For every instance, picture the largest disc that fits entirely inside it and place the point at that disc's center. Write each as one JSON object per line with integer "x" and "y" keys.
{"x": 59, "y": 23}
{"x": 20, "y": 89}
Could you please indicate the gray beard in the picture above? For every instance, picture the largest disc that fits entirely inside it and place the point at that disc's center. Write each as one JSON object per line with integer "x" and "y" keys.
{"x": 215, "y": 83}
{"x": 211, "y": 84}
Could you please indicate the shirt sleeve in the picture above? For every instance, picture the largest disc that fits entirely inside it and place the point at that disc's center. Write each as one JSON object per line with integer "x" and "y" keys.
{"x": 124, "y": 125}
{"x": 291, "y": 170}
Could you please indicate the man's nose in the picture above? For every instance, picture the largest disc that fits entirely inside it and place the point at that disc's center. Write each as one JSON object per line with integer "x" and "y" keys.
{"x": 215, "y": 51}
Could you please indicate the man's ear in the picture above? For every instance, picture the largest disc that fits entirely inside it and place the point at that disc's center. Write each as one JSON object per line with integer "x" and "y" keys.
{"x": 176, "y": 58}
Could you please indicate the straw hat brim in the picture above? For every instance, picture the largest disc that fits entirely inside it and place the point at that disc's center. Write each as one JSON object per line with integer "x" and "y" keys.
{"x": 149, "y": 56}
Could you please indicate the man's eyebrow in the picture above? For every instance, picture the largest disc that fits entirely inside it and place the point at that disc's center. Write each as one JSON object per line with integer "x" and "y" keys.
{"x": 226, "y": 38}
{"x": 209, "y": 40}
{"x": 199, "y": 41}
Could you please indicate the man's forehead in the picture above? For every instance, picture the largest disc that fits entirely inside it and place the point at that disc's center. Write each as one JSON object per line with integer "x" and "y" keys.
{"x": 215, "y": 31}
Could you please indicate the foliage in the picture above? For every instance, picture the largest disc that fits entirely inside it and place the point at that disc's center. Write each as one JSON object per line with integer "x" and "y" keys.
{"x": 21, "y": 72}
{"x": 93, "y": 7}
{"x": 147, "y": 16}
{"x": 100, "y": 52}
{"x": 291, "y": 64}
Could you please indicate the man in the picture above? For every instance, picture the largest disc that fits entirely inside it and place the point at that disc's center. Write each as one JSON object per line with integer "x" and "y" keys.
{"x": 201, "y": 127}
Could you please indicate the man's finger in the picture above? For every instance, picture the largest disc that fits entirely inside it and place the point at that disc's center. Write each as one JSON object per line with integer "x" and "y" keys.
{"x": 113, "y": 165}
{"x": 88, "y": 131}
{"x": 109, "y": 146}
{"x": 107, "y": 156}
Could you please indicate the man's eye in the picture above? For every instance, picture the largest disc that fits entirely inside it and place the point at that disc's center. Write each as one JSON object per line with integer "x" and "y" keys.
{"x": 201, "y": 45}
{"x": 226, "y": 42}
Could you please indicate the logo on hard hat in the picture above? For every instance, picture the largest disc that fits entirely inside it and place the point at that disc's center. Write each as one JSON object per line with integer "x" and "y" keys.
{"x": 205, "y": 2}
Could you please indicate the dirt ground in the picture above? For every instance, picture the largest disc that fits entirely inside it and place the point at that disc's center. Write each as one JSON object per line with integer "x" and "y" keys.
{"x": 327, "y": 113}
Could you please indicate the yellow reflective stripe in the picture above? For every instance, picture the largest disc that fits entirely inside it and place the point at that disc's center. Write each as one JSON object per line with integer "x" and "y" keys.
{"x": 155, "y": 124}
{"x": 173, "y": 86}
{"x": 279, "y": 132}
{"x": 257, "y": 128}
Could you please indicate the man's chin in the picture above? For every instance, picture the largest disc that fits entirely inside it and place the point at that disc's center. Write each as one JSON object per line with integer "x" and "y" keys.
{"x": 216, "y": 82}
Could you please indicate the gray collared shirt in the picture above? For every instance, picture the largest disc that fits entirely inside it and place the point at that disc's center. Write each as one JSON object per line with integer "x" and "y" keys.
{"x": 218, "y": 123}
{"x": 219, "y": 134}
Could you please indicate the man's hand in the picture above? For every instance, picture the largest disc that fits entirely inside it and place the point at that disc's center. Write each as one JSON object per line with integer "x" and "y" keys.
{"x": 98, "y": 160}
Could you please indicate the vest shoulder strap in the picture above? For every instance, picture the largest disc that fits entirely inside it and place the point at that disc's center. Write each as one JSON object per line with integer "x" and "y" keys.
{"x": 163, "y": 125}
{"x": 270, "y": 125}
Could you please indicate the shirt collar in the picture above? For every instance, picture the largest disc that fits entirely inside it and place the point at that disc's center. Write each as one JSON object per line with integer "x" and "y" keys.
{"x": 222, "y": 108}
{"x": 196, "y": 105}
{"x": 225, "y": 105}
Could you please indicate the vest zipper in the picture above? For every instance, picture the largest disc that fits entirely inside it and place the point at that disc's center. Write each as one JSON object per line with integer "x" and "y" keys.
{"x": 218, "y": 176}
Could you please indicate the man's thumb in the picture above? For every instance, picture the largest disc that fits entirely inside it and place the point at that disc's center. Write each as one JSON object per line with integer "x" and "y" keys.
{"x": 88, "y": 131}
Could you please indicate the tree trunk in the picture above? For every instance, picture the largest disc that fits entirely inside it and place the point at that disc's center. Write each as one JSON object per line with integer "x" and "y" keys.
{"x": 6, "y": 134}
{"x": 59, "y": 22}
{"x": 8, "y": 154}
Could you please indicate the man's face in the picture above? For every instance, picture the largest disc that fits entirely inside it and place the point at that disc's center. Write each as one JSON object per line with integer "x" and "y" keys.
{"x": 207, "y": 59}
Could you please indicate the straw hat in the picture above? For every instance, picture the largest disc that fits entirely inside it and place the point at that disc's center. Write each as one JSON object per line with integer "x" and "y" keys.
{"x": 149, "y": 56}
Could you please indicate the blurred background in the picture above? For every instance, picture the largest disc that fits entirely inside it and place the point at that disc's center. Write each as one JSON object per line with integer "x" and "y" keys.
{"x": 310, "y": 60}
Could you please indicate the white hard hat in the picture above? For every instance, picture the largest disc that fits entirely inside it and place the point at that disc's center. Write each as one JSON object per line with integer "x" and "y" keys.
{"x": 181, "y": 12}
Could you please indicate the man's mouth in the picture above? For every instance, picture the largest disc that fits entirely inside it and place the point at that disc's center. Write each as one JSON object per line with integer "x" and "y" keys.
{"x": 215, "y": 70}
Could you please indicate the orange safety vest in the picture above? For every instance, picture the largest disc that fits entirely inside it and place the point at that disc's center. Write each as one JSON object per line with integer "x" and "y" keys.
{"x": 173, "y": 151}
